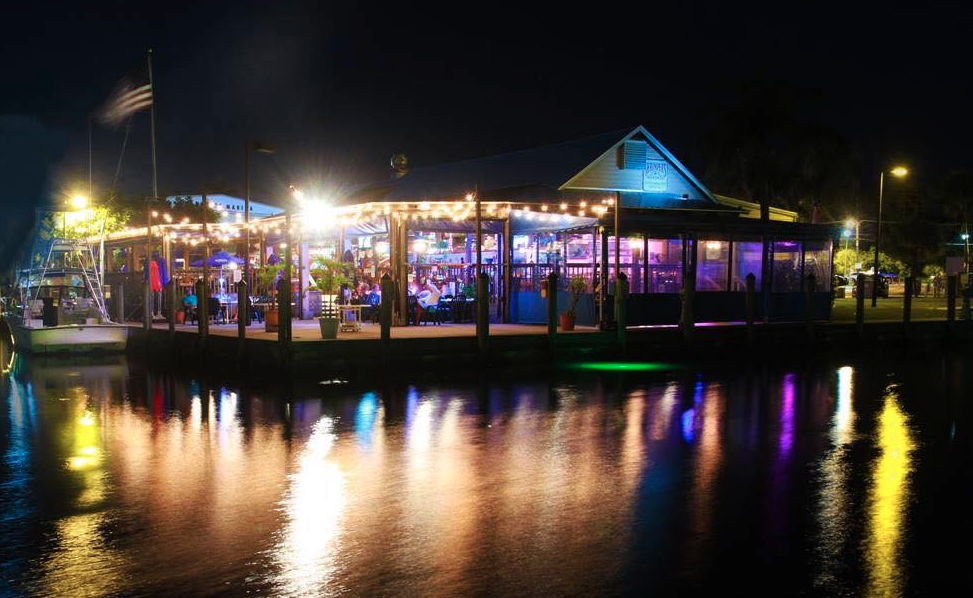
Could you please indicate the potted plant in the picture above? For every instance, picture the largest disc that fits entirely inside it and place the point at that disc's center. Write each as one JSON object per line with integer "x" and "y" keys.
{"x": 577, "y": 287}
{"x": 329, "y": 276}
{"x": 267, "y": 276}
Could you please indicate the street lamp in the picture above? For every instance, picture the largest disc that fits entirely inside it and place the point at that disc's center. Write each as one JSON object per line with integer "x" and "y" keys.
{"x": 898, "y": 172}
{"x": 966, "y": 241}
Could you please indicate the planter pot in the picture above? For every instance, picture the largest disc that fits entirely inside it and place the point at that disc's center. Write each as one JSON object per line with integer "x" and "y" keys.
{"x": 329, "y": 328}
{"x": 567, "y": 321}
{"x": 270, "y": 320}
{"x": 180, "y": 316}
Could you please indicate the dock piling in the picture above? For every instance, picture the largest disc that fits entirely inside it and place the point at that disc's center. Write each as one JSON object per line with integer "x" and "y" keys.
{"x": 621, "y": 310}
{"x": 482, "y": 312}
{"x": 951, "y": 299}
{"x": 751, "y": 303}
{"x": 552, "y": 311}
{"x": 202, "y": 311}
{"x": 907, "y": 306}
{"x": 120, "y": 304}
{"x": 388, "y": 296}
{"x": 687, "y": 321}
{"x": 809, "y": 285}
{"x": 860, "y": 306}
{"x": 242, "y": 320}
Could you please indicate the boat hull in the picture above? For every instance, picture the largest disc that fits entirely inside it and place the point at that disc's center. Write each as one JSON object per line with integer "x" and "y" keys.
{"x": 80, "y": 338}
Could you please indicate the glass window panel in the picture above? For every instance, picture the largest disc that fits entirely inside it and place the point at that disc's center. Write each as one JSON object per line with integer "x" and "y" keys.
{"x": 712, "y": 265}
{"x": 786, "y": 267}
{"x": 665, "y": 265}
{"x": 746, "y": 260}
{"x": 817, "y": 261}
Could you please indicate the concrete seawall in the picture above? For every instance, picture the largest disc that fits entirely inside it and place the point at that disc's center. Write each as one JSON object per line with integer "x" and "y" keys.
{"x": 262, "y": 356}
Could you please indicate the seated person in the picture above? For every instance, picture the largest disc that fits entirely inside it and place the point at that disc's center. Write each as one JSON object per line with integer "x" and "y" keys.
{"x": 189, "y": 304}
{"x": 429, "y": 296}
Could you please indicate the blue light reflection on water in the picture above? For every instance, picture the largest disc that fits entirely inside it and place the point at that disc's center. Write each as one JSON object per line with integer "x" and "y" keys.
{"x": 652, "y": 481}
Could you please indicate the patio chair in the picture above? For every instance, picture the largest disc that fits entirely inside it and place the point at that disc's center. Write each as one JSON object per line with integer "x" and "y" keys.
{"x": 217, "y": 312}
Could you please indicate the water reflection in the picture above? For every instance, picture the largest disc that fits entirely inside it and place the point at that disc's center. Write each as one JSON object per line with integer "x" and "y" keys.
{"x": 582, "y": 485}
{"x": 307, "y": 554}
{"x": 834, "y": 502}
{"x": 888, "y": 495}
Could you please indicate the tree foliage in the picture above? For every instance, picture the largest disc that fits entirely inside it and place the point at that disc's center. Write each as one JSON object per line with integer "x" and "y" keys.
{"x": 765, "y": 149}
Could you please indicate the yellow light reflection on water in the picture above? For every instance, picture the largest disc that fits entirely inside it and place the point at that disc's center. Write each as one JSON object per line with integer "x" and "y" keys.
{"x": 888, "y": 497}
{"x": 308, "y": 548}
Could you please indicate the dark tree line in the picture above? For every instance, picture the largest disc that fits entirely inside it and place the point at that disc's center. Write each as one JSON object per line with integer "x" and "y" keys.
{"x": 765, "y": 146}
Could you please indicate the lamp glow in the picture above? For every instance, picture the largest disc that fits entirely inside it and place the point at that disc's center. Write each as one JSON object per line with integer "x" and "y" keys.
{"x": 900, "y": 171}
{"x": 79, "y": 202}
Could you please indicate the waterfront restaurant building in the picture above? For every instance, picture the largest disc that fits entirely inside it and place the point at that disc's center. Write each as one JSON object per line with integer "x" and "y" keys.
{"x": 543, "y": 210}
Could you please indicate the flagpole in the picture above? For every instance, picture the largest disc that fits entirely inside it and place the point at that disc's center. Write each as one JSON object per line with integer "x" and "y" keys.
{"x": 148, "y": 315}
{"x": 155, "y": 183}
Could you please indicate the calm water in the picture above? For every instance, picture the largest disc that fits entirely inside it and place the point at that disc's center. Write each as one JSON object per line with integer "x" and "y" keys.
{"x": 824, "y": 479}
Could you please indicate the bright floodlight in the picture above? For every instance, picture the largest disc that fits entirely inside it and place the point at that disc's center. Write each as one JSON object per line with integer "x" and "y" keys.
{"x": 79, "y": 202}
{"x": 420, "y": 246}
{"x": 900, "y": 171}
{"x": 850, "y": 223}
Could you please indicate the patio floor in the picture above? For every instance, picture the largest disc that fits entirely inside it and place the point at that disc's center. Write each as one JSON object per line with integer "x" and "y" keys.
{"x": 308, "y": 330}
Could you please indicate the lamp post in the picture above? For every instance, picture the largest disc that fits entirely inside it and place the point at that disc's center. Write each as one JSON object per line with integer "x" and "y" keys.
{"x": 243, "y": 311}
{"x": 898, "y": 172}
{"x": 966, "y": 241}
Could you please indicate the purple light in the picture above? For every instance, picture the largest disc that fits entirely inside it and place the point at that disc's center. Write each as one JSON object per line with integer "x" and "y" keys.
{"x": 787, "y": 418}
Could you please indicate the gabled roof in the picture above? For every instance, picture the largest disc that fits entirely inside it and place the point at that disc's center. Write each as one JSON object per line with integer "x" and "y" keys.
{"x": 642, "y": 132}
{"x": 547, "y": 167}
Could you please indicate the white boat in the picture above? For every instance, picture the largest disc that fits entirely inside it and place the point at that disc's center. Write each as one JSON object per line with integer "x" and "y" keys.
{"x": 61, "y": 306}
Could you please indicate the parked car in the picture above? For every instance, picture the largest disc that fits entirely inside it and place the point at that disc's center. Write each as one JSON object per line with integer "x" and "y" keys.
{"x": 883, "y": 288}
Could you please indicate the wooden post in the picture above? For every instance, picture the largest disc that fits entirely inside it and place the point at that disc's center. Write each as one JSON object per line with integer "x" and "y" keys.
{"x": 603, "y": 281}
{"x": 966, "y": 302}
{"x": 751, "y": 305}
{"x": 242, "y": 319}
{"x": 907, "y": 306}
{"x": 173, "y": 292}
{"x": 951, "y": 299}
{"x": 809, "y": 305}
{"x": 284, "y": 314}
{"x": 552, "y": 311}
{"x": 687, "y": 320}
{"x": 508, "y": 262}
{"x": 860, "y": 305}
{"x": 388, "y": 297}
{"x": 202, "y": 311}
{"x": 621, "y": 310}
{"x": 482, "y": 312}
{"x": 120, "y": 302}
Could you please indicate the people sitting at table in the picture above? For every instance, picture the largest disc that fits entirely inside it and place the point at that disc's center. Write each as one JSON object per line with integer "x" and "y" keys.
{"x": 189, "y": 304}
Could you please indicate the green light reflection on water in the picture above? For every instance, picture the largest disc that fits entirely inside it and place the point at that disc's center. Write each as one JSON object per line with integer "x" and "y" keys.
{"x": 622, "y": 366}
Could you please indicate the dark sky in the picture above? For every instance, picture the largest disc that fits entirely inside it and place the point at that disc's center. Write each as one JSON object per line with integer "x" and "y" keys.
{"x": 339, "y": 87}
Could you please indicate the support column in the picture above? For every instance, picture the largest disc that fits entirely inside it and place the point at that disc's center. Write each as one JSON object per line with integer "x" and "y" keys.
{"x": 552, "y": 316}
{"x": 284, "y": 324}
{"x": 402, "y": 273}
{"x": 508, "y": 264}
{"x": 388, "y": 296}
{"x": 603, "y": 280}
{"x": 482, "y": 313}
{"x": 645, "y": 263}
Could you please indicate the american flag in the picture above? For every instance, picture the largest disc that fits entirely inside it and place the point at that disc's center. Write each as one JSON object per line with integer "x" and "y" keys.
{"x": 132, "y": 94}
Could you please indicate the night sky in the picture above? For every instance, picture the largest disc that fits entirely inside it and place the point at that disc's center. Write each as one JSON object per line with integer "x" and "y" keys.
{"x": 338, "y": 89}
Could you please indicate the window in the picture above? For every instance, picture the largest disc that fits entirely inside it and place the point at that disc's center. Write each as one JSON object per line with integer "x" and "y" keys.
{"x": 817, "y": 262}
{"x": 664, "y": 265}
{"x": 746, "y": 260}
{"x": 712, "y": 261}
{"x": 786, "y": 267}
